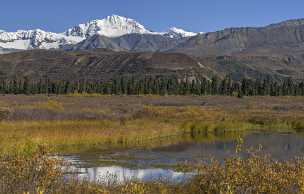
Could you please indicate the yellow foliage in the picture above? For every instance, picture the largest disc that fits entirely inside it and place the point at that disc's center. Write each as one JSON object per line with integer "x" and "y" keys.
{"x": 39, "y": 173}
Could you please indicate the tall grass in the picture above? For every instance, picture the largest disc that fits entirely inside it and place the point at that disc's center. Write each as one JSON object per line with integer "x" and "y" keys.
{"x": 142, "y": 128}
{"x": 40, "y": 173}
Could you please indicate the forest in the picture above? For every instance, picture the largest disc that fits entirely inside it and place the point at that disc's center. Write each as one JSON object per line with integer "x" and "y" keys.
{"x": 158, "y": 86}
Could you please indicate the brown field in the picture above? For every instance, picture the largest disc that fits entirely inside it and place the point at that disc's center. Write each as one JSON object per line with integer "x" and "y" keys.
{"x": 22, "y": 107}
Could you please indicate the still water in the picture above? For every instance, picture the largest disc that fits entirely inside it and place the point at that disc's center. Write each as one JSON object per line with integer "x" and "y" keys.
{"x": 154, "y": 164}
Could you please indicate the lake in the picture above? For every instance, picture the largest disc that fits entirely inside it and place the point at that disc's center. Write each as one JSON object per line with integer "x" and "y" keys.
{"x": 157, "y": 163}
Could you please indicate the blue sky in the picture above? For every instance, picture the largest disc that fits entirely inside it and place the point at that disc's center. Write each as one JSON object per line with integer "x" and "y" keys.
{"x": 193, "y": 15}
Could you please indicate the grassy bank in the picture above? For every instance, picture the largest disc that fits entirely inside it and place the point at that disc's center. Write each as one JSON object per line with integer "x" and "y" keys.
{"x": 38, "y": 173}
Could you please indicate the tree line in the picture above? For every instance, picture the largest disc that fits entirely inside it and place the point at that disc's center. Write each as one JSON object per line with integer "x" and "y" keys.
{"x": 158, "y": 86}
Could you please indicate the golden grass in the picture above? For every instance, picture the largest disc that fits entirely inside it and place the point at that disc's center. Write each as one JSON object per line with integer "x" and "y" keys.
{"x": 85, "y": 133}
{"x": 143, "y": 128}
{"x": 50, "y": 104}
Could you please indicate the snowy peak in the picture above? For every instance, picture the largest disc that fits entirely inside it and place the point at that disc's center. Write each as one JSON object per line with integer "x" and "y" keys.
{"x": 31, "y": 39}
{"x": 179, "y": 33}
{"x": 111, "y": 26}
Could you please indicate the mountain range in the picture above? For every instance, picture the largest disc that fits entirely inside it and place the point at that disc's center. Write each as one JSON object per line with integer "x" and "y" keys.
{"x": 102, "y": 49}
{"x": 111, "y": 27}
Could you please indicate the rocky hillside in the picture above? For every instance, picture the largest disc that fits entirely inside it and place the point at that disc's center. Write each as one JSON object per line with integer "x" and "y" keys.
{"x": 281, "y": 38}
{"x": 129, "y": 42}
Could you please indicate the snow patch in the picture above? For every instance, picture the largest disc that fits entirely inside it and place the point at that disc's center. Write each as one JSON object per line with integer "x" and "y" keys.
{"x": 111, "y": 26}
{"x": 179, "y": 33}
{"x": 16, "y": 44}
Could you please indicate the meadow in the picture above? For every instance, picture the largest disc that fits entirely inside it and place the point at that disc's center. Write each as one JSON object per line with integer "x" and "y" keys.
{"x": 34, "y": 128}
{"x": 75, "y": 123}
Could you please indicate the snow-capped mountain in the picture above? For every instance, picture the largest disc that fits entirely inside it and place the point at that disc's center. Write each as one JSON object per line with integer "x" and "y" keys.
{"x": 179, "y": 33}
{"x": 112, "y": 27}
{"x": 33, "y": 39}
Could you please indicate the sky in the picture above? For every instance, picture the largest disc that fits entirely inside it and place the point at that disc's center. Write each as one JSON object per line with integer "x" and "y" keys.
{"x": 157, "y": 15}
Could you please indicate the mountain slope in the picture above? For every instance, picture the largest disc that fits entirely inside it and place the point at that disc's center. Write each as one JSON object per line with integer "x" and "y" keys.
{"x": 96, "y": 41}
{"x": 272, "y": 38}
{"x": 275, "y": 50}
{"x": 96, "y": 65}
{"x": 129, "y": 42}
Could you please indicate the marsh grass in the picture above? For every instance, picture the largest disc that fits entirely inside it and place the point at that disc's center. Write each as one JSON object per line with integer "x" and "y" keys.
{"x": 143, "y": 128}
{"x": 40, "y": 173}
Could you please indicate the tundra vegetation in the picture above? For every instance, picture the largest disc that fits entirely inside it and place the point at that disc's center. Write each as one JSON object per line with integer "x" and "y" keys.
{"x": 34, "y": 128}
{"x": 40, "y": 173}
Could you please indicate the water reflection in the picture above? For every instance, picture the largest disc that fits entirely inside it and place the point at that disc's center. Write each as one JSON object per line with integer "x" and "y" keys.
{"x": 117, "y": 174}
{"x": 97, "y": 166}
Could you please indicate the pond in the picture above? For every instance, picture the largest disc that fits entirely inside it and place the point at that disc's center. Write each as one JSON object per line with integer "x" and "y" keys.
{"x": 156, "y": 163}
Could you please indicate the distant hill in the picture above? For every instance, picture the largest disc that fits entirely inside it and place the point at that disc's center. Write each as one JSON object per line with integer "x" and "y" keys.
{"x": 276, "y": 38}
{"x": 97, "y": 65}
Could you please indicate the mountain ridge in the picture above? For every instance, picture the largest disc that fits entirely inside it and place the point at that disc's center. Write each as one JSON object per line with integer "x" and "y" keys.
{"x": 273, "y": 51}
{"x": 111, "y": 27}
